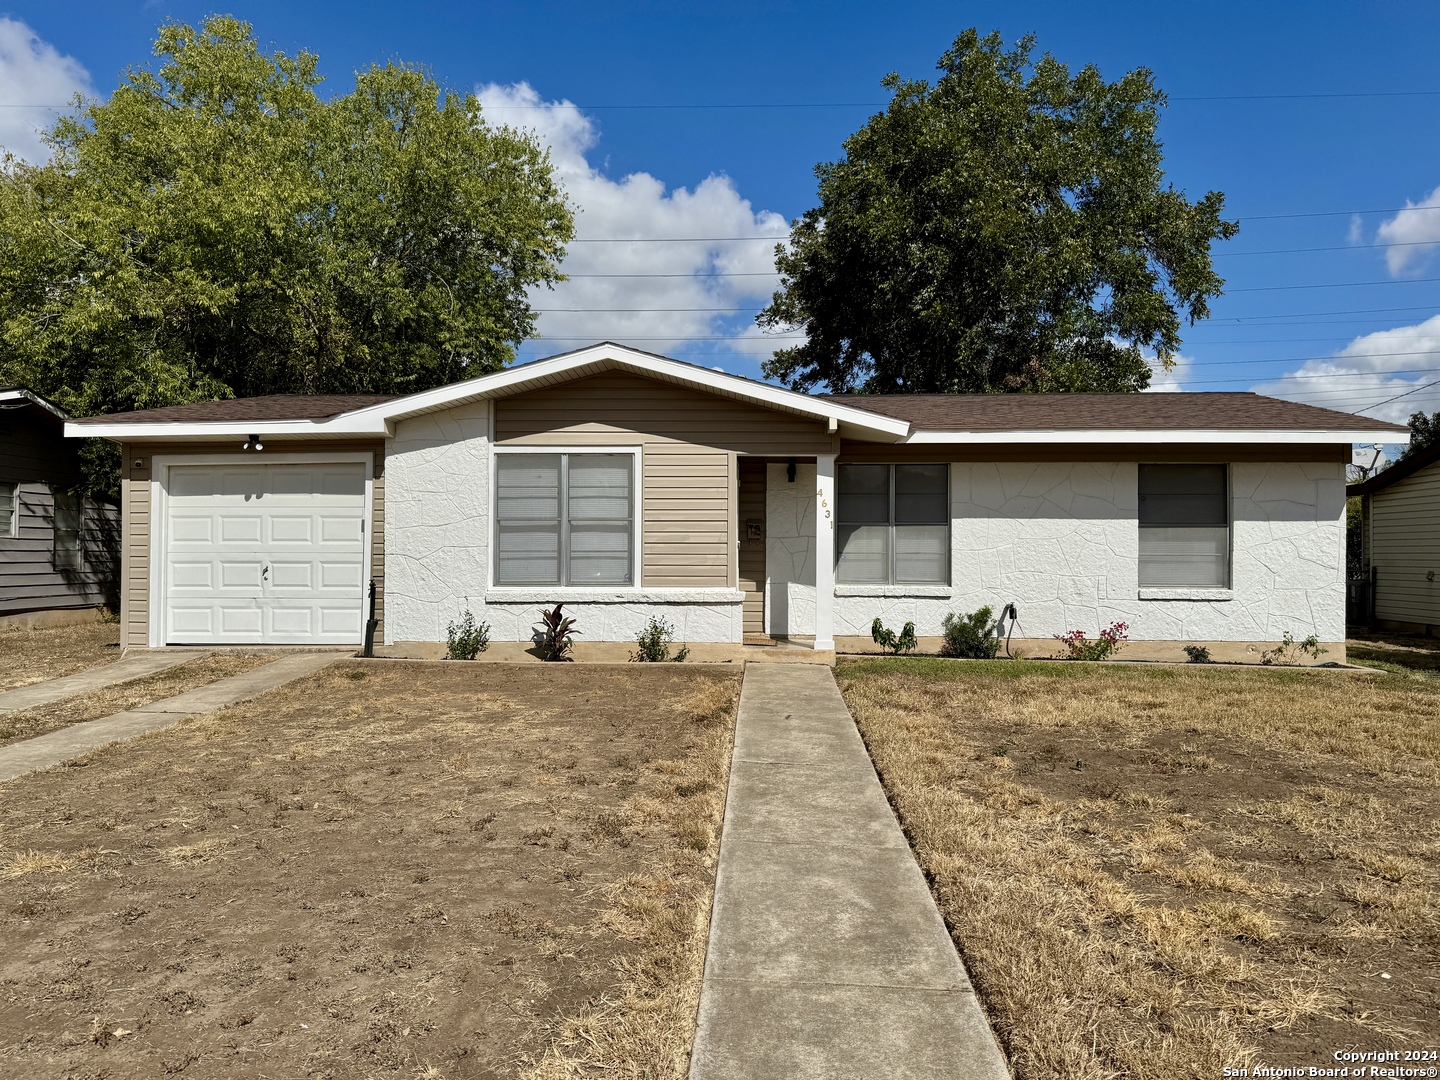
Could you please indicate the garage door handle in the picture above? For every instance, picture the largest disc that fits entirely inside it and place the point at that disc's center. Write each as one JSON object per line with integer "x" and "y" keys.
{"x": 265, "y": 573}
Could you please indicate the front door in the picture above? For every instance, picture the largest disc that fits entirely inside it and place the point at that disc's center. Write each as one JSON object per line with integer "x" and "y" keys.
{"x": 751, "y": 540}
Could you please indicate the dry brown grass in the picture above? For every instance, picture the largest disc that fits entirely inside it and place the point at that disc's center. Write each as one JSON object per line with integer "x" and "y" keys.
{"x": 127, "y": 695}
{"x": 385, "y": 869}
{"x": 1161, "y": 872}
{"x": 31, "y": 656}
{"x": 1391, "y": 651}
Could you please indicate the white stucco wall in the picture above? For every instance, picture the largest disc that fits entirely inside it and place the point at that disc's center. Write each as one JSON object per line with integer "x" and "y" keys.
{"x": 1061, "y": 541}
{"x": 790, "y": 551}
{"x": 437, "y": 549}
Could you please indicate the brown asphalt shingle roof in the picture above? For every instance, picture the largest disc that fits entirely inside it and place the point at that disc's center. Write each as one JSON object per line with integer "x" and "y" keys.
{"x": 1102, "y": 412}
{"x": 271, "y": 407}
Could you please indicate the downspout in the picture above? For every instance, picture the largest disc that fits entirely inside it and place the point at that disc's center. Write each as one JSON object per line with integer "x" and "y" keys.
{"x": 370, "y": 623}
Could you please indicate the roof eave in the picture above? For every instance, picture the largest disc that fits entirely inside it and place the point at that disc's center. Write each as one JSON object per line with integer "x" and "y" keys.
{"x": 166, "y": 431}
{"x": 1155, "y": 436}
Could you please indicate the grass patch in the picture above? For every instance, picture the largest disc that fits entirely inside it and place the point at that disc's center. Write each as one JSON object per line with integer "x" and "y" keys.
{"x": 31, "y": 656}
{"x": 1398, "y": 654}
{"x": 127, "y": 695}
{"x": 1171, "y": 871}
{"x": 397, "y": 869}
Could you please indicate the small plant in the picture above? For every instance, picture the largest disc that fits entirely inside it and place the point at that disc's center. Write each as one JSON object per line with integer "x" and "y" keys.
{"x": 653, "y": 644}
{"x": 1078, "y": 647}
{"x": 1198, "y": 654}
{"x": 970, "y": 637}
{"x": 892, "y": 642}
{"x": 1284, "y": 654}
{"x": 556, "y": 634}
{"x": 468, "y": 639}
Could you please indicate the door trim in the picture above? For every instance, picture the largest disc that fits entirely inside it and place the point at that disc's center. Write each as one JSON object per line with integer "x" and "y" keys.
{"x": 160, "y": 514}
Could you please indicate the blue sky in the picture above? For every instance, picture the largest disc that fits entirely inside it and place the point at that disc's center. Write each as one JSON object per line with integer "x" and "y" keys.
{"x": 622, "y": 92}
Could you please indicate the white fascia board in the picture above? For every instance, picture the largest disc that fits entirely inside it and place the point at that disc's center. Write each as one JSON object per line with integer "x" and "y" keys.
{"x": 122, "y": 432}
{"x": 642, "y": 364}
{"x": 1158, "y": 438}
{"x": 26, "y": 395}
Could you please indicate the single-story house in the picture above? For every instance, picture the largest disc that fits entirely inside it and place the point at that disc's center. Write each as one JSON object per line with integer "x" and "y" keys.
{"x": 1400, "y": 542}
{"x": 58, "y": 548}
{"x": 629, "y": 485}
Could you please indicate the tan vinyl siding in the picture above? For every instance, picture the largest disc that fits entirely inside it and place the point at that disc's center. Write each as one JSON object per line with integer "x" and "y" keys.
{"x": 1405, "y": 546}
{"x": 136, "y": 520}
{"x": 689, "y": 441}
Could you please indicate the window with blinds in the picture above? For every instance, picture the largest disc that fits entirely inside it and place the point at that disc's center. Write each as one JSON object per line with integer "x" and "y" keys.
{"x": 69, "y": 517}
{"x": 9, "y": 508}
{"x": 1185, "y": 526}
{"x": 892, "y": 525}
{"x": 564, "y": 519}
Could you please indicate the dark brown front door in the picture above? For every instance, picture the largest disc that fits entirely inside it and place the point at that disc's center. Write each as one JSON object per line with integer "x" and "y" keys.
{"x": 751, "y": 504}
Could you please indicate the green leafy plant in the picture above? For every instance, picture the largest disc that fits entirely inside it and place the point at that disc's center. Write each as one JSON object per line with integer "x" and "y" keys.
{"x": 890, "y": 641}
{"x": 1078, "y": 647}
{"x": 556, "y": 634}
{"x": 1285, "y": 654}
{"x": 970, "y": 637}
{"x": 468, "y": 639}
{"x": 1198, "y": 654}
{"x": 653, "y": 644}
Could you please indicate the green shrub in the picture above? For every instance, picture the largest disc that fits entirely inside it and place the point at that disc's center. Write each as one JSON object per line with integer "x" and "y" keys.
{"x": 1078, "y": 647}
{"x": 653, "y": 644}
{"x": 970, "y": 637}
{"x": 1198, "y": 654}
{"x": 1284, "y": 653}
{"x": 890, "y": 641}
{"x": 468, "y": 639}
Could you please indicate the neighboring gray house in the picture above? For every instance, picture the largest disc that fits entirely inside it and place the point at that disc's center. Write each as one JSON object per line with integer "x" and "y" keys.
{"x": 59, "y": 551}
{"x": 629, "y": 485}
{"x": 1400, "y": 542}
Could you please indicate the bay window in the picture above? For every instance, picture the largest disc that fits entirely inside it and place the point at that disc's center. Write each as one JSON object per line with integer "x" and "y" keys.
{"x": 1185, "y": 526}
{"x": 564, "y": 519}
{"x": 892, "y": 525}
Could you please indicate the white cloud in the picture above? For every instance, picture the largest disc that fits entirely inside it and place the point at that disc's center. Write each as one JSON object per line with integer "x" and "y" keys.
{"x": 1417, "y": 226}
{"x": 1172, "y": 381}
{"x": 33, "y": 73}
{"x": 1369, "y": 370}
{"x": 699, "y": 302}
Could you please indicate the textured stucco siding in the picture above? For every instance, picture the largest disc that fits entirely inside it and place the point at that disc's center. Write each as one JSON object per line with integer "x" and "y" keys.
{"x": 438, "y": 527}
{"x": 1061, "y": 540}
{"x": 790, "y": 550}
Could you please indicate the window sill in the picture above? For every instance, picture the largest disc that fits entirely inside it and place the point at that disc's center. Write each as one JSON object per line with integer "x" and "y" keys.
{"x": 619, "y": 594}
{"x": 1187, "y": 594}
{"x": 897, "y": 592}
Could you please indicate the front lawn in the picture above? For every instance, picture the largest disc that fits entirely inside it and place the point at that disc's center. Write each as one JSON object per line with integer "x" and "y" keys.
{"x": 1159, "y": 872}
{"x": 1394, "y": 652}
{"x": 387, "y": 869}
{"x": 31, "y": 656}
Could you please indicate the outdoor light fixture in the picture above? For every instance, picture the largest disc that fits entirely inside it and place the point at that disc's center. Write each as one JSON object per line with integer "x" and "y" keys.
{"x": 253, "y": 442}
{"x": 790, "y": 470}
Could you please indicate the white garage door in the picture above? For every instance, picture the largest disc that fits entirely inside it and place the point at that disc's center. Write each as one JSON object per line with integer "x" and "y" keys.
{"x": 265, "y": 554}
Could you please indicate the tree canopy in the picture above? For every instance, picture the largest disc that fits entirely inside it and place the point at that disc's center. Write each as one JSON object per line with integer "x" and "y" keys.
{"x": 1424, "y": 433}
{"x": 218, "y": 229}
{"x": 1006, "y": 229}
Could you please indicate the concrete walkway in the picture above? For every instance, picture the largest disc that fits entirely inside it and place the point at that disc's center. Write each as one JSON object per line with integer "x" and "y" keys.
{"x": 828, "y": 959}
{"x": 96, "y": 678}
{"x": 70, "y": 742}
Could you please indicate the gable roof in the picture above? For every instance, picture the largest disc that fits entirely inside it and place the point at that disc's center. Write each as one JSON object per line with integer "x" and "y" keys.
{"x": 915, "y": 418}
{"x": 1406, "y": 466}
{"x": 17, "y": 397}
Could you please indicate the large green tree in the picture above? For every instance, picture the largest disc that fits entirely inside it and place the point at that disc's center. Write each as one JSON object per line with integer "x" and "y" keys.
{"x": 1006, "y": 229}
{"x": 217, "y": 228}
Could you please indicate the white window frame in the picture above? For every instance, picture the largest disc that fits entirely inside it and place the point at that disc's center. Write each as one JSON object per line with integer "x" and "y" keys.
{"x": 637, "y": 555}
{"x": 1168, "y": 592}
{"x": 14, "y": 530}
{"x": 159, "y": 515}
{"x": 891, "y": 583}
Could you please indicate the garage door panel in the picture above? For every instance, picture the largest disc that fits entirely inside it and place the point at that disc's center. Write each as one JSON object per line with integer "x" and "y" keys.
{"x": 227, "y": 524}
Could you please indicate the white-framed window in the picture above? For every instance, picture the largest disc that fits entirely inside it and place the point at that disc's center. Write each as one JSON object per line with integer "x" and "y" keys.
{"x": 892, "y": 525}
{"x": 1185, "y": 526}
{"x": 69, "y": 520}
{"x": 9, "y": 509}
{"x": 565, "y": 518}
